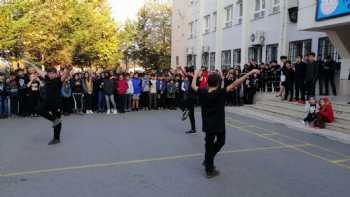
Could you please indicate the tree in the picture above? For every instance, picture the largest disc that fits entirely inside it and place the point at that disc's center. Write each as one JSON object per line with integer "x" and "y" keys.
{"x": 153, "y": 35}
{"x": 55, "y": 32}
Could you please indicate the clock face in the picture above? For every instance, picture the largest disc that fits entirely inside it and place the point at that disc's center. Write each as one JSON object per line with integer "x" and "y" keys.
{"x": 329, "y": 6}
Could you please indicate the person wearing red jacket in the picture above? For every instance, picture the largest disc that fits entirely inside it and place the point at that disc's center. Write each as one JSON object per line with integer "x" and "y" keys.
{"x": 122, "y": 87}
{"x": 203, "y": 83}
{"x": 326, "y": 114}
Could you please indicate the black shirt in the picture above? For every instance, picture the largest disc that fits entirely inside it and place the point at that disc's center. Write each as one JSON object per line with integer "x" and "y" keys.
{"x": 52, "y": 90}
{"x": 213, "y": 110}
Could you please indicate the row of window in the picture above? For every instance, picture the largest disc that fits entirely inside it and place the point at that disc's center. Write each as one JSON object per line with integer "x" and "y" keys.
{"x": 296, "y": 48}
{"x": 233, "y": 15}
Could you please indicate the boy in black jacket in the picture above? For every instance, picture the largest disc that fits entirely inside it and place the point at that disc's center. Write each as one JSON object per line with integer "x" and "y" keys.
{"x": 212, "y": 100}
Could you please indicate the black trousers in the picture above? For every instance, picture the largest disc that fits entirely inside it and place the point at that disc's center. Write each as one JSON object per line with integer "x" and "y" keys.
{"x": 289, "y": 90}
{"x": 89, "y": 101}
{"x": 145, "y": 100}
{"x": 310, "y": 89}
{"x": 190, "y": 107}
{"x": 121, "y": 103}
{"x": 213, "y": 144}
{"x": 299, "y": 89}
{"x": 329, "y": 79}
{"x": 33, "y": 102}
{"x": 51, "y": 112}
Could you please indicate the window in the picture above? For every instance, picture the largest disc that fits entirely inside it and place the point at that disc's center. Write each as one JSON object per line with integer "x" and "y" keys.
{"x": 239, "y": 11}
{"x": 191, "y": 24}
{"x": 301, "y": 47}
{"x": 191, "y": 60}
{"x": 226, "y": 59}
{"x": 215, "y": 16}
{"x": 236, "y": 59}
{"x": 205, "y": 59}
{"x": 271, "y": 52}
{"x": 326, "y": 48}
{"x": 228, "y": 16}
{"x": 206, "y": 24}
{"x": 259, "y": 9}
{"x": 212, "y": 61}
{"x": 276, "y": 6}
{"x": 255, "y": 53}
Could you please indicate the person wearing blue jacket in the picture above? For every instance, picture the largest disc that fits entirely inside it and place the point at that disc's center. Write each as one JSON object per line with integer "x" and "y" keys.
{"x": 137, "y": 86}
{"x": 161, "y": 92}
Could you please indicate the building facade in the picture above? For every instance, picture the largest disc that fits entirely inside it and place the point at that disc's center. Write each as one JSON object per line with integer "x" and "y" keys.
{"x": 222, "y": 33}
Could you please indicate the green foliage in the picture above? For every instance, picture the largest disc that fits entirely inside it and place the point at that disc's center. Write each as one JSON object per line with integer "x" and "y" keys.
{"x": 148, "y": 40}
{"x": 56, "y": 32}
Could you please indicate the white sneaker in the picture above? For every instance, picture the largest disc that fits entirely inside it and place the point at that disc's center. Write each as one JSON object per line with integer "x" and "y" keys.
{"x": 108, "y": 111}
{"x": 115, "y": 112}
{"x": 91, "y": 112}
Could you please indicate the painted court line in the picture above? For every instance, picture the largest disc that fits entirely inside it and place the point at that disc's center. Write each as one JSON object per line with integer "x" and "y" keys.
{"x": 340, "y": 161}
{"x": 294, "y": 138}
{"x": 120, "y": 163}
{"x": 298, "y": 149}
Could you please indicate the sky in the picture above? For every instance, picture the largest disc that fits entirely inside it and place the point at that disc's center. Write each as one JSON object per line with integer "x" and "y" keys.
{"x": 124, "y": 9}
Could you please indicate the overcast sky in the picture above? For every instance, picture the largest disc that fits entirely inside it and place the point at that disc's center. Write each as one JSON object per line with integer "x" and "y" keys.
{"x": 123, "y": 9}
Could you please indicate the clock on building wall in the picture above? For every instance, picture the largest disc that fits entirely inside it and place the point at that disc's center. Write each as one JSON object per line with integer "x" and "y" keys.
{"x": 328, "y": 6}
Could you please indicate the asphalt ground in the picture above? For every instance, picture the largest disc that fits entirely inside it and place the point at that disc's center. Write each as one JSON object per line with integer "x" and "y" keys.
{"x": 148, "y": 154}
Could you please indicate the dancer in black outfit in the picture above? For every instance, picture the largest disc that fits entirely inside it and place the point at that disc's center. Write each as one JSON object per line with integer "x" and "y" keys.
{"x": 50, "y": 108}
{"x": 212, "y": 102}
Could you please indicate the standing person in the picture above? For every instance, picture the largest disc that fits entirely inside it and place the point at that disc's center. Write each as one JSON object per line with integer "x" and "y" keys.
{"x": 3, "y": 97}
{"x": 22, "y": 92}
{"x": 311, "y": 75}
{"x": 101, "y": 101}
{"x": 212, "y": 102}
{"x": 137, "y": 86}
{"x": 122, "y": 88}
{"x": 51, "y": 106}
{"x": 88, "y": 85}
{"x": 161, "y": 92}
{"x": 145, "y": 92}
{"x": 282, "y": 76}
{"x": 289, "y": 83}
{"x": 300, "y": 70}
{"x": 67, "y": 99}
{"x": 153, "y": 92}
{"x": 321, "y": 74}
{"x": 171, "y": 94}
{"x": 108, "y": 86}
{"x": 13, "y": 93}
{"x": 329, "y": 74}
{"x": 77, "y": 92}
{"x": 129, "y": 93}
{"x": 34, "y": 86}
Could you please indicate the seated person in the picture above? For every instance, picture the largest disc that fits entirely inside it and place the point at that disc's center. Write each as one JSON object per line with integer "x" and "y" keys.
{"x": 311, "y": 109}
{"x": 325, "y": 115}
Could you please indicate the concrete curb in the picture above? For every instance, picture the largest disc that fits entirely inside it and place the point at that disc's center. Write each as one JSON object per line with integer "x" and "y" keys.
{"x": 290, "y": 123}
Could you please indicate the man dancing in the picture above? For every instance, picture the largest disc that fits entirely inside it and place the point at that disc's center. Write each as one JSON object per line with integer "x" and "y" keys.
{"x": 212, "y": 100}
{"x": 50, "y": 108}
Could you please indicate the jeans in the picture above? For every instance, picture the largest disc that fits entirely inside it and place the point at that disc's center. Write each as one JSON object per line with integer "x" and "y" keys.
{"x": 128, "y": 102}
{"x": 101, "y": 101}
{"x": 110, "y": 99}
{"x": 153, "y": 100}
{"x": 4, "y": 105}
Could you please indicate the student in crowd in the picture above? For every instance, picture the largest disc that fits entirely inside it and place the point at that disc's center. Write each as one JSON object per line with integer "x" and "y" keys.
{"x": 171, "y": 94}
{"x": 325, "y": 115}
{"x": 153, "y": 92}
{"x": 145, "y": 92}
{"x": 212, "y": 101}
{"x": 122, "y": 88}
{"x": 22, "y": 92}
{"x": 311, "y": 110}
{"x": 161, "y": 92}
{"x": 321, "y": 74}
{"x": 282, "y": 76}
{"x": 300, "y": 70}
{"x": 78, "y": 93}
{"x": 108, "y": 86}
{"x": 129, "y": 93}
{"x": 101, "y": 100}
{"x": 311, "y": 75}
{"x": 289, "y": 83}
{"x": 88, "y": 85}
{"x": 67, "y": 98}
{"x": 329, "y": 74}
{"x": 137, "y": 86}
{"x": 13, "y": 94}
{"x": 3, "y": 97}
{"x": 34, "y": 85}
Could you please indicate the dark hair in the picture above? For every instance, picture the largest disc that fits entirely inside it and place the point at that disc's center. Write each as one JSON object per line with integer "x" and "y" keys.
{"x": 312, "y": 54}
{"x": 283, "y": 57}
{"x": 214, "y": 79}
{"x": 51, "y": 69}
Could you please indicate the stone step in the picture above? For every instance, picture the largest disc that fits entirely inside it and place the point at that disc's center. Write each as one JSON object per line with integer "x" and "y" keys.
{"x": 295, "y": 115}
{"x": 300, "y": 108}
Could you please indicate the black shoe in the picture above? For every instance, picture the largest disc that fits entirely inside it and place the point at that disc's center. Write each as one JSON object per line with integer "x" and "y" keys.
{"x": 191, "y": 132}
{"x": 203, "y": 164}
{"x": 213, "y": 174}
{"x": 54, "y": 141}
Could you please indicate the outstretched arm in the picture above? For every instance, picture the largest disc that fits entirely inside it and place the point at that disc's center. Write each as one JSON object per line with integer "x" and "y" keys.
{"x": 239, "y": 81}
